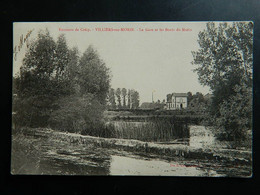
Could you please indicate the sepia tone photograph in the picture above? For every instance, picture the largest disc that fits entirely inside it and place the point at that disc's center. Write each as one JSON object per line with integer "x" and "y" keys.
{"x": 132, "y": 98}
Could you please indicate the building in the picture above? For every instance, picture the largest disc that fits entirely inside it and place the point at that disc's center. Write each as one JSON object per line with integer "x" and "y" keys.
{"x": 176, "y": 101}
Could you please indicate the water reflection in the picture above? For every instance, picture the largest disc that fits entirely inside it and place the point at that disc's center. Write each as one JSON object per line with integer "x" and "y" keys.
{"x": 76, "y": 162}
{"x": 53, "y": 157}
{"x": 121, "y": 165}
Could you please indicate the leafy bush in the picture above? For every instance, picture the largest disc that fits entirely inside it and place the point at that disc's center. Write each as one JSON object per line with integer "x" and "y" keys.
{"x": 77, "y": 114}
{"x": 31, "y": 111}
{"x": 58, "y": 88}
{"x": 235, "y": 115}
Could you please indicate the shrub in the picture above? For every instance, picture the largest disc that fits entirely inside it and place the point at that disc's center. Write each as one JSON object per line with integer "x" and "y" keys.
{"x": 82, "y": 115}
{"x": 235, "y": 115}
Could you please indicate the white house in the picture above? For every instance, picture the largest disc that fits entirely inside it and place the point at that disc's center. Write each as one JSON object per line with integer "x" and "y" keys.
{"x": 176, "y": 101}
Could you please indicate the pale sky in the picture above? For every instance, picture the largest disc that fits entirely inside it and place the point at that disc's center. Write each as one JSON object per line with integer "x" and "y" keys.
{"x": 146, "y": 61}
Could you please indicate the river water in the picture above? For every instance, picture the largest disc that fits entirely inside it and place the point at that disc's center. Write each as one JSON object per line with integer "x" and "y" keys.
{"x": 41, "y": 155}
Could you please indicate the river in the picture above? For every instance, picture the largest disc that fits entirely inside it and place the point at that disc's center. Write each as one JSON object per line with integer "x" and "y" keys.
{"x": 46, "y": 156}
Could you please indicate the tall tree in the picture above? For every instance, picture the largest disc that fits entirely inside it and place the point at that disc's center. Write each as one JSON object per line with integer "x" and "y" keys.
{"x": 135, "y": 99}
{"x": 112, "y": 99}
{"x": 118, "y": 95}
{"x": 72, "y": 70}
{"x": 124, "y": 92}
{"x": 62, "y": 56}
{"x": 224, "y": 62}
{"x": 129, "y": 99}
{"x": 37, "y": 85}
{"x": 93, "y": 75}
{"x": 225, "y": 58}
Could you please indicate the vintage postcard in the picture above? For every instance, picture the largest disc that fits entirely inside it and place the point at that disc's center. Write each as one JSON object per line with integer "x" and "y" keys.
{"x": 132, "y": 98}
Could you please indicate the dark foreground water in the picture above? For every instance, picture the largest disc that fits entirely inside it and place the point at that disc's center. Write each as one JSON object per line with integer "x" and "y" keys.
{"x": 41, "y": 155}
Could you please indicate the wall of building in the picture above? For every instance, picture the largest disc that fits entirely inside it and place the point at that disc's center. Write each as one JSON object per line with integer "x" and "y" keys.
{"x": 177, "y": 103}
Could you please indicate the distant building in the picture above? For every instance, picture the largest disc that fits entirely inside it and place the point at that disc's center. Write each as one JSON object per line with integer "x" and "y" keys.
{"x": 176, "y": 101}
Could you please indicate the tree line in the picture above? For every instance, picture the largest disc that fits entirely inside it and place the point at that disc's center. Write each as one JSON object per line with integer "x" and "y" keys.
{"x": 123, "y": 98}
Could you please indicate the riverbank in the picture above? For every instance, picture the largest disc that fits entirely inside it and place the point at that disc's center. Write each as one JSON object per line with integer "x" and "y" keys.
{"x": 165, "y": 150}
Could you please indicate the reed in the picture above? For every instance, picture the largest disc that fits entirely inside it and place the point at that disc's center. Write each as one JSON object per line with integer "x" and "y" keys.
{"x": 156, "y": 130}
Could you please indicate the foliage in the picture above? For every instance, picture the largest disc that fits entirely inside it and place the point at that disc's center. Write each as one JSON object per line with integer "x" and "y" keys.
{"x": 224, "y": 63}
{"x": 118, "y": 95}
{"x": 134, "y": 99}
{"x": 236, "y": 114}
{"x": 93, "y": 75}
{"x": 124, "y": 92}
{"x": 111, "y": 99}
{"x": 77, "y": 114}
{"x": 130, "y": 99}
{"x": 189, "y": 98}
{"x": 226, "y": 52}
{"x": 198, "y": 102}
{"x": 59, "y": 88}
{"x": 32, "y": 111}
{"x": 41, "y": 80}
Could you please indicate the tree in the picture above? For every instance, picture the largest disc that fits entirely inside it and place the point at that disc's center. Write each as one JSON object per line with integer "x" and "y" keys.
{"x": 93, "y": 75}
{"x": 118, "y": 95}
{"x": 82, "y": 114}
{"x": 135, "y": 99}
{"x": 236, "y": 114}
{"x": 62, "y": 56}
{"x": 226, "y": 51}
{"x": 197, "y": 103}
{"x": 40, "y": 59}
{"x": 224, "y": 61}
{"x": 124, "y": 92}
{"x": 82, "y": 111}
{"x": 72, "y": 70}
{"x": 199, "y": 96}
{"x": 129, "y": 99}
{"x": 112, "y": 99}
{"x": 189, "y": 98}
{"x": 39, "y": 83}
